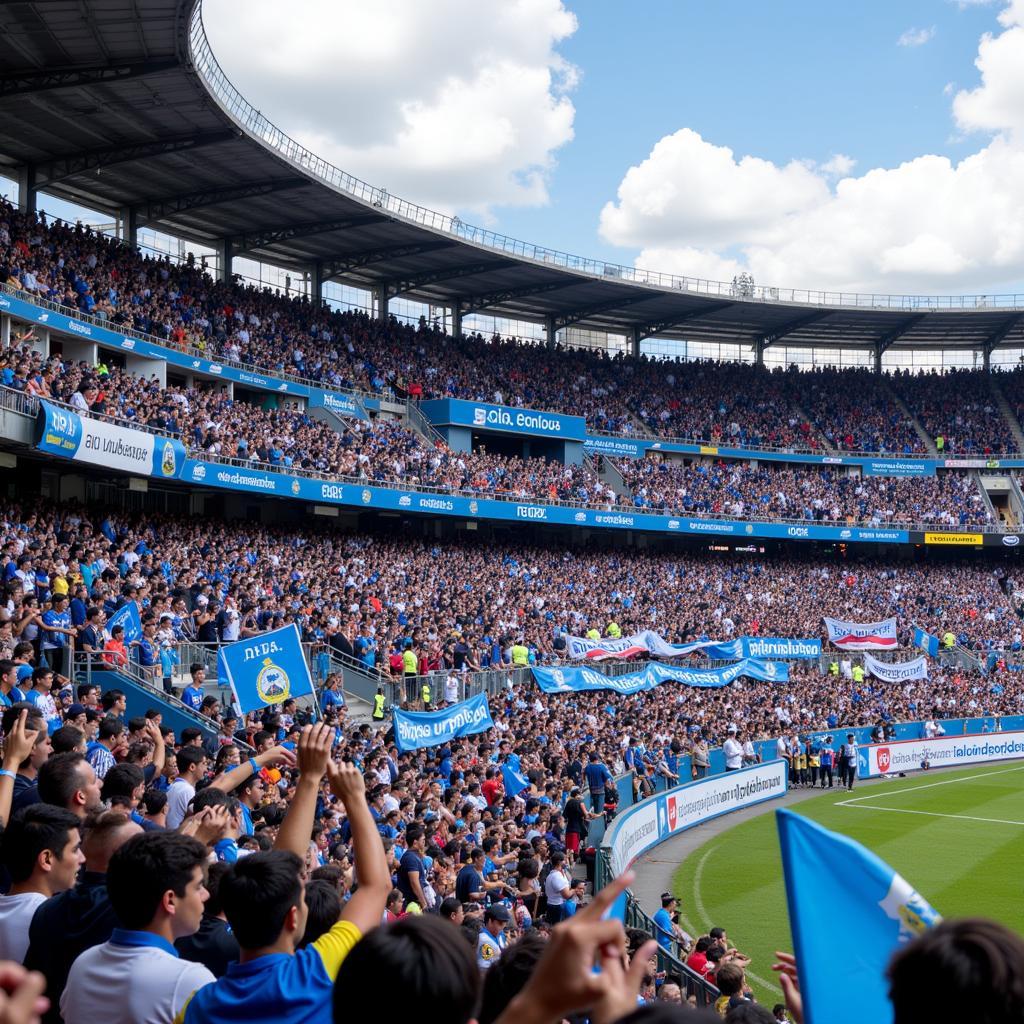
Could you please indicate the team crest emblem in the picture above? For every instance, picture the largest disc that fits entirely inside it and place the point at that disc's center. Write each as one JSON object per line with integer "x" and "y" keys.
{"x": 366, "y": 497}
{"x": 884, "y": 759}
{"x": 168, "y": 464}
{"x": 295, "y": 487}
{"x": 272, "y": 683}
{"x": 473, "y": 506}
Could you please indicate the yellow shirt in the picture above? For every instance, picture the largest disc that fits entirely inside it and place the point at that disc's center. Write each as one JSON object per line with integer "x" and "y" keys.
{"x": 409, "y": 662}
{"x": 520, "y": 655}
{"x": 60, "y": 585}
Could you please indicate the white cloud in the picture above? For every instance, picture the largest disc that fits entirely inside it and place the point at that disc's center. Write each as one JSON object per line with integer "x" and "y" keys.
{"x": 454, "y": 104}
{"x": 929, "y": 224}
{"x": 916, "y": 36}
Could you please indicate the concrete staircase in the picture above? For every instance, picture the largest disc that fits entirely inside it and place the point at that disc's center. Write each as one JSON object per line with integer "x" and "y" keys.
{"x": 929, "y": 442}
{"x": 1004, "y": 407}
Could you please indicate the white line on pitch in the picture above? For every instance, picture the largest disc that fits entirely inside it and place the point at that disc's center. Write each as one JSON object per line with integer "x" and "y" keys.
{"x": 927, "y": 785}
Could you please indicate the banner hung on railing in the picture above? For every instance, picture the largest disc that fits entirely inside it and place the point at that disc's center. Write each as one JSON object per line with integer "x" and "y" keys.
{"x": 645, "y": 642}
{"x": 897, "y": 671}
{"x": 126, "y": 616}
{"x": 416, "y": 729}
{"x": 579, "y": 679}
{"x": 265, "y": 669}
{"x": 926, "y": 642}
{"x": 60, "y": 431}
{"x": 763, "y": 647}
{"x": 862, "y": 636}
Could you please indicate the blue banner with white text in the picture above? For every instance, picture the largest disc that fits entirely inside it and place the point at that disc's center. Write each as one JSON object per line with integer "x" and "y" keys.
{"x": 581, "y": 679}
{"x": 266, "y": 669}
{"x": 763, "y": 647}
{"x": 416, "y": 729}
{"x": 454, "y": 412}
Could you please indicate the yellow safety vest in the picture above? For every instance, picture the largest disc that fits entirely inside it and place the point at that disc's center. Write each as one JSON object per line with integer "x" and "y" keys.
{"x": 520, "y": 655}
{"x": 592, "y": 634}
{"x": 613, "y": 630}
{"x": 426, "y": 693}
{"x": 409, "y": 663}
{"x": 948, "y": 641}
{"x": 378, "y": 706}
{"x": 858, "y": 674}
{"x": 833, "y": 668}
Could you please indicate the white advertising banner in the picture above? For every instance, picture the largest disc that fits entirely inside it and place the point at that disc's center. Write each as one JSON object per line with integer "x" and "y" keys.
{"x": 939, "y": 752}
{"x": 897, "y": 671}
{"x": 862, "y": 636}
{"x": 639, "y": 828}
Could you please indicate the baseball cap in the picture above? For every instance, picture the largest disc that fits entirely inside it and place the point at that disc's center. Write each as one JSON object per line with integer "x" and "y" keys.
{"x": 74, "y": 710}
{"x": 498, "y": 912}
{"x": 667, "y": 897}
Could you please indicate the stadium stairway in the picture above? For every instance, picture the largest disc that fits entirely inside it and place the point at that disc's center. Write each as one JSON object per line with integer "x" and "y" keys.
{"x": 609, "y": 473}
{"x": 1004, "y": 408}
{"x": 929, "y": 442}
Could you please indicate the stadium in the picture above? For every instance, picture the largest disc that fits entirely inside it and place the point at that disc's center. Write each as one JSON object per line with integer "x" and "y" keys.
{"x": 390, "y": 599}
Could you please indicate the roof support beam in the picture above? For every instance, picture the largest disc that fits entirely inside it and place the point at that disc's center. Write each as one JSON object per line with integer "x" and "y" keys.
{"x": 285, "y": 233}
{"x": 886, "y": 341}
{"x": 23, "y": 82}
{"x": 160, "y": 209}
{"x": 66, "y": 165}
{"x": 476, "y": 303}
{"x": 429, "y": 277}
{"x": 367, "y": 257}
{"x": 998, "y": 336}
{"x": 790, "y": 327}
{"x": 568, "y": 319}
{"x": 648, "y": 330}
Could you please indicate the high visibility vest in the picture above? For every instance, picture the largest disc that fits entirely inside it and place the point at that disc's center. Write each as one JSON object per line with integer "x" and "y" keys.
{"x": 858, "y": 674}
{"x": 378, "y": 706}
{"x": 520, "y": 655}
{"x": 833, "y": 668}
{"x": 425, "y": 692}
{"x": 593, "y": 634}
{"x": 613, "y": 630}
{"x": 948, "y": 641}
{"x": 409, "y": 662}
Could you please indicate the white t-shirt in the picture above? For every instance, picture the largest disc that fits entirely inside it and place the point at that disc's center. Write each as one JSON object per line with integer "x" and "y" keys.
{"x": 130, "y": 984}
{"x": 15, "y": 917}
{"x": 554, "y": 886}
{"x": 733, "y": 754}
{"x": 179, "y": 796}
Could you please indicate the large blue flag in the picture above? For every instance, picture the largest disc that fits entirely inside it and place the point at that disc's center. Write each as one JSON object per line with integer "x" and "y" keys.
{"x": 128, "y": 616}
{"x": 928, "y": 643}
{"x": 415, "y": 729}
{"x": 265, "y": 669}
{"x": 514, "y": 782}
{"x": 849, "y": 912}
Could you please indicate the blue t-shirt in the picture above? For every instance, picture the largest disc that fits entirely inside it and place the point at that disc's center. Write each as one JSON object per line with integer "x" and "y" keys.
{"x": 663, "y": 924}
{"x": 193, "y": 697}
{"x": 62, "y": 620}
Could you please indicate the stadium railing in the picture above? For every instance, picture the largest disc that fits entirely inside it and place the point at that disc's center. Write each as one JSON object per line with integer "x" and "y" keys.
{"x": 257, "y": 126}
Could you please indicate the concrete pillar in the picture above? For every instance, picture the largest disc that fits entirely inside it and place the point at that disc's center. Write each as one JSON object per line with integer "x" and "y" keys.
{"x": 225, "y": 255}
{"x": 549, "y": 330}
{"x": 759, "y": 351}
{"x": 27, "y": 190}
{"x": 316, "y": 283}
{"x": 634, "y": 342}
{"x": 380, "y": 302}
{"x": 878, "y": 359}
{"x": 986, "y": 359}
{"x": 5, "y": 332}
{"x": 129, "y": 221}
{"x": 456, "y": 319}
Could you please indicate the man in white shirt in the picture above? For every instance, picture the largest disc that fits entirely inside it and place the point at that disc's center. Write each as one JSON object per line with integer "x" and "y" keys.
{"x": 42, "y": 851}
{"x": 733, "y": 751}
{"x": 191, "y": 766}
{"x": 156, "y": 885}
{"x": 556, "y": 888}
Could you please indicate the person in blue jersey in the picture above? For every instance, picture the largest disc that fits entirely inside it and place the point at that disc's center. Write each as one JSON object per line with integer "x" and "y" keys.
{"x": 57, "y": 634}
{"x": 193, "y": 694}
{"x": 264, "y": 901}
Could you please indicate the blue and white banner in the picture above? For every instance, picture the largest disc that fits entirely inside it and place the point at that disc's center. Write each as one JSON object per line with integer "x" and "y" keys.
{"x": 763, "y": 647}
{"x": 926, "y": 642}
{"x": 579, "y": 679}
{"x": 897, "y": 671}
{"x": 343, "y": 405}
{"x": 265, "y": 669}
{"x": 61, "y": 431}
{"x": 862, "y": 636}
{"x": 128, "y": 617}
{"x": 644, "y": 642}
{"x": 897, "y": 467}
{"x": 507, "y": 419}
{"x": 878, "y": 912}
{"x": 416, "y": 729}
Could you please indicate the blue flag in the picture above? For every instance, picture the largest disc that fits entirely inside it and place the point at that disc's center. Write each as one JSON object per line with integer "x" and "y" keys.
{"x": 128, "y": 616}
{"x": 415, "y": 729}
{"x": 928, "y": 643}
{"x": 836, "y": 887}
{"x": 265, "y": 669}
{"x": 513, "y": 781}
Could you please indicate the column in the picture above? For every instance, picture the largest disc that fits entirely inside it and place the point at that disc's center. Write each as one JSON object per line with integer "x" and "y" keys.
{"x": 380, "y": 301}
{"x": 549, "y": 330}
{"x": 225, "y": 256}
{"x": 129, "y": 225}
{"x": 759, "y": 347}
{"x": 27, "y": 191}
{"x": 878, "y": 359}
{"x": 316, "y": 283}
{"x": 456, "y": 319}
{"x": 634, "y": 339}
{"x": 986, "y": 359}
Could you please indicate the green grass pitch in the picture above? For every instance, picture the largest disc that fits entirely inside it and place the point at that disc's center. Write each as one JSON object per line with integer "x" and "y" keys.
{"x": 957, "y": 837}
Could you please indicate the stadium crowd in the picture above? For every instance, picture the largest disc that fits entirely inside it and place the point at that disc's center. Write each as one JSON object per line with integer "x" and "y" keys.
{"x": 734, "y": 403}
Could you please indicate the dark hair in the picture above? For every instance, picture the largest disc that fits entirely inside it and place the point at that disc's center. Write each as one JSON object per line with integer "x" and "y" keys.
{"x": 413, "y": 833}
{"x": 210, "y": 797}
{"x": 145, "y": 867}
{"x": 420, "y": 956}
{"x": 214, "y": 876}
{"x": 110, "y": 727}
{"x": 257, "y": 894}
{"x": 32, "y": 830}
{"x": 981, "y": 964}
{"x": 508, "y": 975}
{"x": 66, "y": 738}
{"x": 729, "y": 979}
{"x": 34, "y": 720}
{"x": 111, "y": 697}
{"x": 323, "y": 903}
{"x": 154, "y": 801}
{"x": 189, "y": 734}
{"x": 188, "y": 756}
{"x": 59, "y": 778}
{"x": 717, "y": 933}
{"x": 449, "y": 907}
{"x": 122, "y": 780}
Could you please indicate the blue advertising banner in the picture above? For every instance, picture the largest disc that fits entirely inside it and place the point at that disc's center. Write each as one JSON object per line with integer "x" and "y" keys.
{"x": 128, "y": 617}
{"x": 926, "y": 642}
{"x": 579, "y": 679}
{"x": 416, "y": 729}
{"x": 265, "y": 669}
{"x": 60, "y": 431}
{"x": 763, "y": 647}
{"x": 455, "y": 412}
{"x": 897, "y": 467}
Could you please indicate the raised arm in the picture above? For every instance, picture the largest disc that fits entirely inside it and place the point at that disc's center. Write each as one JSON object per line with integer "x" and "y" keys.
{"x": 234, "y": 778}
{"x": 314, "y": 753}
{"x": 17, "y": 748}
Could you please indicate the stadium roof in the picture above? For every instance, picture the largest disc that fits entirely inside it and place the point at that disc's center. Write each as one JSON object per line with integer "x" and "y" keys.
{"x": 120, "y": 105}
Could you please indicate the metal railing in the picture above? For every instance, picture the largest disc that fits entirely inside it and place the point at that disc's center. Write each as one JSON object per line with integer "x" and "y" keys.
{"x": 258, "y": 127}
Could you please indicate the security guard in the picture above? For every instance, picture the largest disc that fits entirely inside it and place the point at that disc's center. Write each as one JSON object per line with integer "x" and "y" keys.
{"x": 520, "y": 654}
{"x": 410, "y": 663}
{"x": 833, "y": 668}
{"x": 948, "y": 640}
{"x": 425, "y": 695}
{"x": 378, "y": 706}
{"x": 492, "y": 940}
{"x": 858, "y": 673}
{"x": 613, "y": 629}
{"x": 593, "y": 634}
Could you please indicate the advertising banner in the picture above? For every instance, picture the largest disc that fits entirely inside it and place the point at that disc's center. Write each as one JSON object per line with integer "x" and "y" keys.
{"x": 61, "y": 431}
{"x": 652, "y": 821}
{"x": 455, "y": 412}
{"x": 952, "y": 539}
{"x": 897, "y": 467}
{"x": 265, "y": 669}
{"x": 572, "y": 679}
{"x": 939, "y": 752}
{"x": 782, "y": 648}
{"x": 897, "y": 671}
{"x": 862, "y": 636}
{"x": 416, "y": 729}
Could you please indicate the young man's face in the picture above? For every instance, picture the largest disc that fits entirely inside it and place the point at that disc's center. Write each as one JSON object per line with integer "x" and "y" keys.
{"x": 188, "y": 911}
{"x": 66, "y": 865}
